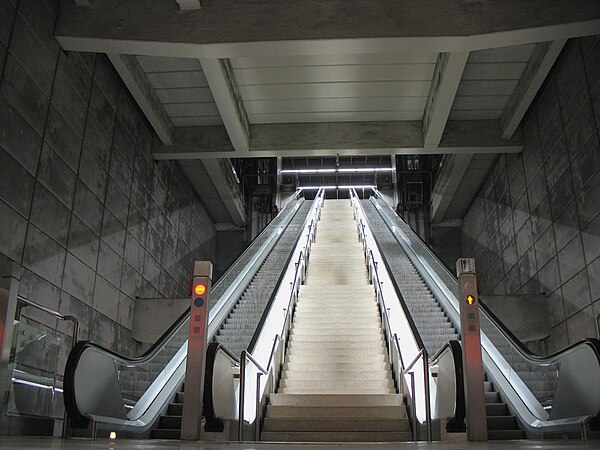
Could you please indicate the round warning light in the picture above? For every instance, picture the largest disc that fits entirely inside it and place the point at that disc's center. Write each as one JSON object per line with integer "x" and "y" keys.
{"x": 200, "y": 289}
{"x": 470, "y": 299}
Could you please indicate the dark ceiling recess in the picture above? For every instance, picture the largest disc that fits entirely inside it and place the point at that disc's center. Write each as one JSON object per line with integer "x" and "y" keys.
{"x": 337, "y": 172}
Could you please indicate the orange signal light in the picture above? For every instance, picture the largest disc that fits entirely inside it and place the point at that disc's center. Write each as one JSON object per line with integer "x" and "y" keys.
{"x": 200, "y": 289}
{"x": 470, "y": 299}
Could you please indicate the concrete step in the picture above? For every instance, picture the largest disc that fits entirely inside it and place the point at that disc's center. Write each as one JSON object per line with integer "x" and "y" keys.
{"x": 306, "y": 369}
{"x": 323, "y": 423}
{"x": 335, "y": 436}
{"x": 326, "y": 332}
{"x": 336, "y": 411}
{"x": 324, "y": 346}
{"x": 333, "y": 375}
{"x": 336, "y": 391}
{"x": 309, "y": 357}
{"x": 352, "y": 384}
{"x": 316, "y": 400}
{"x": 336, "y": 338}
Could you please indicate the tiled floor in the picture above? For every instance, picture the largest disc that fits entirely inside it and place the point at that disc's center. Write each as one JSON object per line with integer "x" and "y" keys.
{"x": 32, "y": 443}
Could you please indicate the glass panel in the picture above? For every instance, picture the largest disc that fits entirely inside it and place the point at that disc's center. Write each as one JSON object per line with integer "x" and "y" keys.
{"x": 36, "y": 388}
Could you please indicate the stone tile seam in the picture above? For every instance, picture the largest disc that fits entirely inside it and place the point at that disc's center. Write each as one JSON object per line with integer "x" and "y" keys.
{"x": 37, "y": 171}
{"x": 31, "y": 28}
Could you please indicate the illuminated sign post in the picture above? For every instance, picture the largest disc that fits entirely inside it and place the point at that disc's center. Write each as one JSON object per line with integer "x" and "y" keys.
{"x": 191, "y": 428}
{"x": 471, "y": 349}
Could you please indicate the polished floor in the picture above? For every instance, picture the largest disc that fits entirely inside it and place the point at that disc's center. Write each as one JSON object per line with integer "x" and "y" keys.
{"x": 34, "y": 443}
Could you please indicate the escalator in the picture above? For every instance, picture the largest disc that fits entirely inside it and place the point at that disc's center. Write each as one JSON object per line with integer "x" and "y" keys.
{"x": 130, "y": 394}
{"x": 525, "y": 394}
{"x": 236, "y": 332}
{"x": 432, "y": 323}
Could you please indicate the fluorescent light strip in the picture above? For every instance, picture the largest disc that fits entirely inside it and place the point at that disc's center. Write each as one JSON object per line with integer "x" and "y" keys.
{"x": 38, "y": 385}
{"x": 356, "y": 186}
{"x": 354, "y": 170}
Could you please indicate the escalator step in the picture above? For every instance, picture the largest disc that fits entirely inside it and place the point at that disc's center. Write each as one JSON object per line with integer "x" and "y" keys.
{"x": 501, "y": 435}
{"x": 165, "y": 434}
{"x": 496, "y": 409}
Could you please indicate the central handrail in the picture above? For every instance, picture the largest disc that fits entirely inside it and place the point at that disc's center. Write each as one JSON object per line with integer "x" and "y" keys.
{"x": 299, "y": 273}
{"x": 422, "y": 354}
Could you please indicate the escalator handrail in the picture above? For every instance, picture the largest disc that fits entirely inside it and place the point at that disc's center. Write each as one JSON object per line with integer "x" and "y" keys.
{"x": 212, "y": 421}
{"x": 422, "y": 354}
{"x": 524, "y": 352}
{"x": 150, "y": 353}
{"x": 267, "y": 309}
{"x": 82, "y": 346}
{"x": 460, "y": 409}
{"x": 246, "y": 354}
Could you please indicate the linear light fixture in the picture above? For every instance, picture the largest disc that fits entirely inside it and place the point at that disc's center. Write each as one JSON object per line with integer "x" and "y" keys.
{"x": 349, "y": 170}
{"x": 356, "y": 186}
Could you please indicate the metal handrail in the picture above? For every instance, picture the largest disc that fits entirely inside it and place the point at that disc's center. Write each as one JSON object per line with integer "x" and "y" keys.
{"x": 422, "y": 350}
{"x": 53, "y": 313}
{"x": 517, "y": 346}
{"x": 523, "y": 351}
{"x": 299, "y": 268}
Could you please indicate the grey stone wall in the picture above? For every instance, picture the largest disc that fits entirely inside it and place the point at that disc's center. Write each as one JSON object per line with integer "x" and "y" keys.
{"x": 535, "y": 225}
{"x": 92, "y": 219}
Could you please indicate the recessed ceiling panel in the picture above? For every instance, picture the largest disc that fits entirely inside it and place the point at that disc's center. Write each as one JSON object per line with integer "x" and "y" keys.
{"x": 180, "y": 85}
{"x": 488, "y": 81}
{"x": 335, "y": 88}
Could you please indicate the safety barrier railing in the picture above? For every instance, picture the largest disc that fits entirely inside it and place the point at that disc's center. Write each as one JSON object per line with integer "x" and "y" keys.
{"x": 277, "y": 354}
{"x": 35, "y": 377}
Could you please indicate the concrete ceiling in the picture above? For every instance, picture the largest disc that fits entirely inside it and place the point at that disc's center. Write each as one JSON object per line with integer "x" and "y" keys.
{"x": 252, "y": 78}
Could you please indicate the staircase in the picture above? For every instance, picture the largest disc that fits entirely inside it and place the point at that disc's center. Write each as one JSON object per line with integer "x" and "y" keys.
{"x": 431, "y": 321}
{"x": 236, "y": 332}
{"x": 336, "y": 383}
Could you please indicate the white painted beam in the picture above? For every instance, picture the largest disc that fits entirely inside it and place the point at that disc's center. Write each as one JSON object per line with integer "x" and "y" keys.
{"x": 349, "y": 138}
{"x": 446, "y": 186}
{"x": 446, "y": 78}
{"x": 134, "y": 78}
{"x": 225, "y": 91}
{"x": 540, "y": 63}
{"x": 186, "y": 5}
{"x": 232, "y": 200}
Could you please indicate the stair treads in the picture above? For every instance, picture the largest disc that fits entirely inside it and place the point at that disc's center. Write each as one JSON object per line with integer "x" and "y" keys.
{"x": 336, "y": 382}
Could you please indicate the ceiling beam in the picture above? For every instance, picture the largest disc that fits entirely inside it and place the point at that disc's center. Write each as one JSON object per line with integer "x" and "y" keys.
{"x": 233, "y": 203}
{"x": 188, "y": 5}
{"x": 224, "y": 88}
{"x": 345, "y": 138}
{"x": 446, "y": 185}
{"x": 136, "y": 81}
{"x": 446, "y": 78}
{"x": 230, "y": 28}
{"x": 542, "y": 59}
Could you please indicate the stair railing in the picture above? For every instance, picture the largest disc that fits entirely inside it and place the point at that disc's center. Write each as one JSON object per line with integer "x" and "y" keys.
{"x": 277, "y": 355}
{"x": 393, "y": 342}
